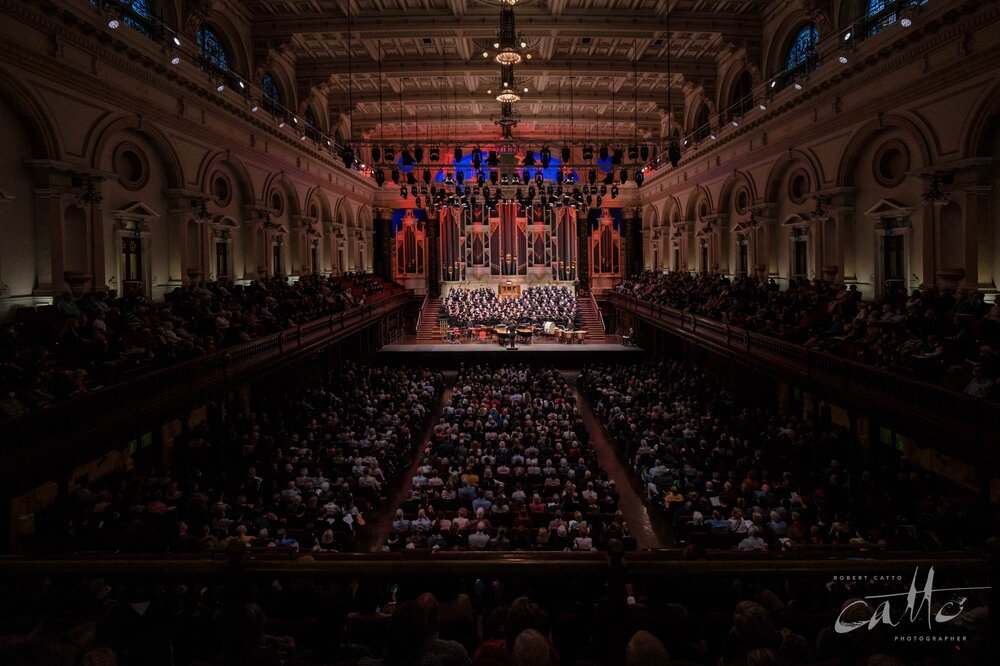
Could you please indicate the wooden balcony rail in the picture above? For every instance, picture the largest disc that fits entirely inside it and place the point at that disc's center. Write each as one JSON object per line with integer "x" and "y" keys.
{"x": 144, "y": 397}
{"x": 521, "y": 565}
{"x": 963, "y": 425}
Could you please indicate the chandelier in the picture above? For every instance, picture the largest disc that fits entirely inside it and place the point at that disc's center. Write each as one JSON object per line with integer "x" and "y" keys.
{"x": 509, "y": 46}
{"x": 507, "y": 94}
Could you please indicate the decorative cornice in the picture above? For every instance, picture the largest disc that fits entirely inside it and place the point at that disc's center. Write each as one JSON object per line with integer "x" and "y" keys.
{"x": 892, "y": 56}
{"x": 61, "y": 23}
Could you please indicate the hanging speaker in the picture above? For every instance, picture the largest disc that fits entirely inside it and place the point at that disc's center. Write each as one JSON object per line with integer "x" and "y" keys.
{"x": 539, "y": 178}
{"x": 633, "y": 152}
{"x": 623, "y": 176}
{"x": 460, "y": 176}
{"x": 559, "y": 176}
{"x": 427, "y": 176}
{"x": 376, "y": 154}
{"x": 395, "y": 176}
{"x": 639, "y": 178}
{"x": 614, "y": 191}
{"x": 592, "y": 176}
{"x": 411, "y": 179}
{"x": 546, "y": 156}
{"x": 616, "y": 157}
{"x": 418, "y": 154}
{"x": 674, "y": 154}
{"x": 480, "y": 177}
{"x": 644, "y": 152}
{"x": 492, "y": 159}
{"x": 435, "y": 154}
{"x": 588, "y": 153}
{"x": 477, "y": 156}
{"x": 603, "y": 153}
{"x": 347, "y": 154}
{"x": 458, "y": 153}
{"x": 379, "y": 177}
{"x": 414, "y": 190}
{"x": 565, "y": 154}
{"x": 599, "y": 201}
{"x": 609, "y": 177}
{"x": 529, "y": 158}
{"x": 494, "y": 177}
{"x": 403, "y": 192}
{"x": 406, "y": 159}
{"x": 389, "y": 154}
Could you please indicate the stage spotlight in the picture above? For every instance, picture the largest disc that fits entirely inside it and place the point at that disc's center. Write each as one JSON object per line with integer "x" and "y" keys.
{"x": 379, "y": 177}
{"x": 394, "y": 175}
{"x": 403, "y": 192}
{"x": 435, "y": 154}
{"x": 623, "y": 176}
{"x": 639, "y": 178}
{"x": 588, "y": 153}
{"x": 633, "y": 153}
{"x": 388, "y": 154}
{"x": 674, "y": 153}
{"x": 114, "y": 22}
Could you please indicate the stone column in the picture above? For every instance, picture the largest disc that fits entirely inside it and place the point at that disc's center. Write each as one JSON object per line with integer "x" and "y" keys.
{"x": 842, "y": 208}
{"x": 433, "y": 258}
{"x": 583, "y": 251}
{"x": 634, "y": 246}
{"x": 768, "y": 238}
{"x": 382, "y": 222}
{"x": 49, "y": 268}
{"x": 975, "y": 182}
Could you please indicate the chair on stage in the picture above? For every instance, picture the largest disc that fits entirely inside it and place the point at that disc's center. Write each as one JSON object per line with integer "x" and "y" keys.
{"x": 482, "y": 335}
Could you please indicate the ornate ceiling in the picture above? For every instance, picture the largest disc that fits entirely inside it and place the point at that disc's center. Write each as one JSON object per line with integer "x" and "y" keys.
{"x": 431, "y": 52}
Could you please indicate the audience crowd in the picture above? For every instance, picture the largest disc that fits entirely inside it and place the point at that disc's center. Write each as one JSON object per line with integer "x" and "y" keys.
{"x": 729, "y": 476}
{"x": 938, "y": 335}
{"x": 613, "y": 620}
{"x": 535, "y": 305}
{"x": 509, "y": 467}
{"x": 298, "y": 473}
{"x": 60, "y": 351}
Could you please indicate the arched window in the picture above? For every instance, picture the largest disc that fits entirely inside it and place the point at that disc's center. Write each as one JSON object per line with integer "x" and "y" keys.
{"x": 802, "y": 51}
{"x": 271, "y": 94}
{"x": 312, "y": 125}
{"x": 135, "y": 14}
{"x": 741, "y": 99}
{"x": 213, "y": 51}
{"x": 883, "y": 13}
{"x": 702, "y": 127}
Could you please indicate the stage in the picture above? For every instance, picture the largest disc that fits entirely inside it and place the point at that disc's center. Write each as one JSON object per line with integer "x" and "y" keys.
{"x": 444, "y": 355}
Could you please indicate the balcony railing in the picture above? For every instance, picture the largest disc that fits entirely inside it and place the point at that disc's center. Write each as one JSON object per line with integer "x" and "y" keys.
{"x": 145, "y": 396}
{"x": 962, "y": 424}
{"x": 666, "y": 564}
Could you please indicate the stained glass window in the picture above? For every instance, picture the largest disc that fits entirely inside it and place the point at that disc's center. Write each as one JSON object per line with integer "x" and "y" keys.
{"x": 271, "y": 94}
{"x": 135, "y": 14}
{"x": 213, "y": 52}
{"x": 312, "y": 125}
{"x": 803, "y": 47}
{"x": 701, "y": 124}
{"x": 885, "y": 12}
{"x": 742, "y": 97}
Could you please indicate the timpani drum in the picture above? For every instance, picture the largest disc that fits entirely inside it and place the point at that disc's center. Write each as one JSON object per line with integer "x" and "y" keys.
{"x": 578, "y": 336}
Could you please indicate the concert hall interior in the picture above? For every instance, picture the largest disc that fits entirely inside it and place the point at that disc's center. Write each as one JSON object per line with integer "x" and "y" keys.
{"x": 499, "y": 332}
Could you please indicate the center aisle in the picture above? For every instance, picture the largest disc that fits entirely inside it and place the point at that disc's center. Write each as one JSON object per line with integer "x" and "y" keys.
{"x": 383, "y": 521}
{"x": 631, "y": 505}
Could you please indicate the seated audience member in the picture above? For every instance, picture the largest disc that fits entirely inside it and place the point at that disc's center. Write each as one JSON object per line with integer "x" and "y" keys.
{"x": 937, "y": 334}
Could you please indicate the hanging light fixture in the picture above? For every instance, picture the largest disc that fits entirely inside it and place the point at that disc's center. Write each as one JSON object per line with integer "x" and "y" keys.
{"x": 507, "y": 94}
{"x": 935, "y": 195}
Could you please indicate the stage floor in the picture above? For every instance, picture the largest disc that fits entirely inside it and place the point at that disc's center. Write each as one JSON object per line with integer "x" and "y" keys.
{"x": 560, "y": 355}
